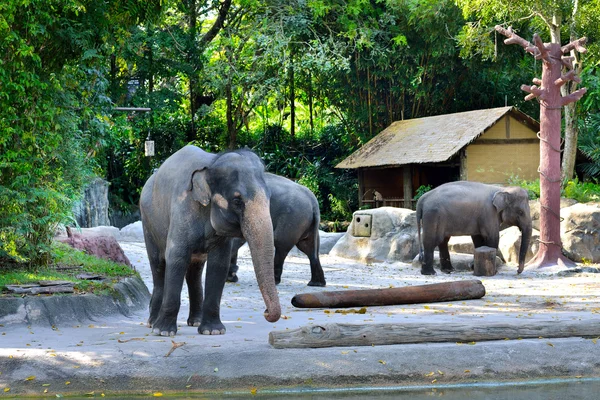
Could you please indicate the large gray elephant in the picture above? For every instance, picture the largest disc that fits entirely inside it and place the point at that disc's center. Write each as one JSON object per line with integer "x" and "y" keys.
{"x": 191, "y": 208}
{"x": 295, "y": 215}
{"x": 470, "y": 208}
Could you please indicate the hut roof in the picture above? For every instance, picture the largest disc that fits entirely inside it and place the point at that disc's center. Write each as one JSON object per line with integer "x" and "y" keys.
{"x": 429, "y": 139}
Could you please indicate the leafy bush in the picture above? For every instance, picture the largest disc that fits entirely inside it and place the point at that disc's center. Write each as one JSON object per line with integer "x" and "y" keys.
{"x": 421, "y": 191}
{"x": 532, "y": 187}
{"x": 582, "y": 191}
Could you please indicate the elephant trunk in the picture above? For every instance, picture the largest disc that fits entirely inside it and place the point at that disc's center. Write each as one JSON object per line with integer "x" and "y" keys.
{"x": 525, "y": 240}
{"x": 257, "y": 229}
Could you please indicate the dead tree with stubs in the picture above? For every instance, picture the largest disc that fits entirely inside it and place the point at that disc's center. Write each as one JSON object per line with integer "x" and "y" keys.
{"x": 547, "y": 91}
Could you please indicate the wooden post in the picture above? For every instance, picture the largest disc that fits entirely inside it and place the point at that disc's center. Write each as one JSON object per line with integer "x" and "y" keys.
{"x": 332, "y": 335}
{"x": 408, "y": 189}
{"x": 485, "y": 261}
{"x": 436, "y": 292}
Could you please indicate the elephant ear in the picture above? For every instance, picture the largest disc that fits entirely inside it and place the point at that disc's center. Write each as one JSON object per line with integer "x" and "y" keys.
{"x": 199, "y": 186}
{"x": 501, "y": 200}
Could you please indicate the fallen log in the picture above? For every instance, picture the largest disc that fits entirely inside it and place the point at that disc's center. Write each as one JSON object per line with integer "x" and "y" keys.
{"x": 436, "y": 292}
{"x": 332, "y": 335}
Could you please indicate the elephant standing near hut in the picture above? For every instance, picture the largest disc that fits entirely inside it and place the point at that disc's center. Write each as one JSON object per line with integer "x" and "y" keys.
{"x": 191, "y": 209}
{"x": 470, "y": 208}
{"x": 296, "y": 216}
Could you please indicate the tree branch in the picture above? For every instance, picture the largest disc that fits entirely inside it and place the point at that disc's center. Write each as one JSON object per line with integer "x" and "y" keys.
{"x": 513, "y": 38}
{"x": 575, "y": 45}
{"x": 543, "y": 52}
{"x": 219, "y": 22}
{"x": 569, "y": 76}
{"x": 576, "y": 95}
{"x": 567, "y": 62}
{"x": 533, "y": 91}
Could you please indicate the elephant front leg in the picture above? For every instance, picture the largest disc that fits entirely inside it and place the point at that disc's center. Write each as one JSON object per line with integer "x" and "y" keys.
{"x": 216, "y": 274}
{"x": 194, "y": 282}
{"x": 446, "y": 265}
{"x": 177, "y": 261}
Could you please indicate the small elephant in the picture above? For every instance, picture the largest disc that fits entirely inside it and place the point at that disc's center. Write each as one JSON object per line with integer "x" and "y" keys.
{"x": 295, "y": 214}
{"x": 191, "y": 209}
{"x": 470, "y": 208}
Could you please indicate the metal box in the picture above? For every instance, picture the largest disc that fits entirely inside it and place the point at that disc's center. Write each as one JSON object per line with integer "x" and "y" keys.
{"x": 362, "y": 225}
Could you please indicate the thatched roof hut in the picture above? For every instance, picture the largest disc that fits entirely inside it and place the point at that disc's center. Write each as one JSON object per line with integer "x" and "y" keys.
{"x": 483, "y": 145}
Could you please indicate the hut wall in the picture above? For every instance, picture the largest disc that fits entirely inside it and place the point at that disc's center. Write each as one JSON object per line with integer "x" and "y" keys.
{"x": 387, "y": 181}
{"x": 494, "y": 157}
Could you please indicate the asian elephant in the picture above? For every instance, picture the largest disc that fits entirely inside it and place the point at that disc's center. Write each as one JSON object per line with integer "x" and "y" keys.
{"x": 470, "y": 208}
{"x": 191, "y": 209}
{"x": 295, "y": 215}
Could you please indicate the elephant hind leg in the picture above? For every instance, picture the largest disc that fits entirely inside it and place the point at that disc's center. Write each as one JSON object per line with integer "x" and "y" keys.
{"x": 429, "y": 244}
{"x": 310, "y": 247}
{"x": 446, "y": 265}
{"x": 157, "y": 266}
{"x": 193, "y": 278}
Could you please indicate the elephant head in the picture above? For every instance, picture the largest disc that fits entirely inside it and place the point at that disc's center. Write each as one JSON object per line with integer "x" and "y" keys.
{"x": 234, "y": 188}
{"x": 512, "y": 204}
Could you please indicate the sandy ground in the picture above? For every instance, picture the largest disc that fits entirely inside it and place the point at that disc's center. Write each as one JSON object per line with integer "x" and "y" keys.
{"x": 119, "y": 354}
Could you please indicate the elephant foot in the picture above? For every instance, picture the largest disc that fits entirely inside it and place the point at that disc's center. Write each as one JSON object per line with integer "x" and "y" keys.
{"x": 425, "y": 271}
{"x": 233, "y": 278}
{"x": 194, "y": 320}
{"x": 447, "y": 270}
{"x": 164, "y": 327}
{"x": 317, "y": 283}
{"x": 214, "y": 328}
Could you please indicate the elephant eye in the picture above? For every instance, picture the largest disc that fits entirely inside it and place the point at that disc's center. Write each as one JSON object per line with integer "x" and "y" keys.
{"x": 238, "y": 202}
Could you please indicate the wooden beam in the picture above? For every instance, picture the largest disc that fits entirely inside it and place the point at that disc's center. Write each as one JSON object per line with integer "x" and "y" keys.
{"x": 467, "y": 331}
{"x": 505, "y": 141}
{"x": 434, "y": 292}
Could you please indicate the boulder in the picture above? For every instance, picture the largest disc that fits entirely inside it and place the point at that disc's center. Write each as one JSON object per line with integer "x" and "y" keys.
{"x": 534, "y": 206}
{"x": 461, "y": 262}
{"x": 579, "y": 232}
{"x": 132, "y": 233}
{"x": 378, "y": 235}
{"x": 102, "y": 246}
{"x": 510, "y": 244}
{"x": 461, "y": 244}
{"x": 328, "y": 240}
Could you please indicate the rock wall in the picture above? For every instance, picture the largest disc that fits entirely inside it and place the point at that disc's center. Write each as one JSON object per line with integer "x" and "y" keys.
{"x": 92, "y": 210}
{"x": 580, "y": 232}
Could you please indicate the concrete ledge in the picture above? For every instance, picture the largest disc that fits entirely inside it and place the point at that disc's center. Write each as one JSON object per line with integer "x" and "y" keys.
{"x": 131, "y": 295}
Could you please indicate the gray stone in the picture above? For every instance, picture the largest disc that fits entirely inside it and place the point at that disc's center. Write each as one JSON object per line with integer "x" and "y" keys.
{"x": 133, "y": 232}
{"x": 579, "y": 232}
{"x": 130, "y": 294}
{"x": 393, "y": 237}
{"x": 92, "y": 209}
{"x": 534, "y": 206}
{"x": 510, "y": 244}
{"x": 328, "y": 240}
{"x": 460, "y": 261}
{"x": 461, "y": 244}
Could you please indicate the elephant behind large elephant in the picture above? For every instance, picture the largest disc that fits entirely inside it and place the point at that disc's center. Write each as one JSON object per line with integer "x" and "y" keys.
{"x": 470, "y": 208}
{"x": 191, "y": 208}
{"x": 295, "y": 214}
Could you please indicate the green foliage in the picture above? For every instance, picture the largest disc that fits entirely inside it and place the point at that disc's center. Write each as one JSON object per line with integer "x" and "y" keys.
{"x": 421, "y": 190}
{"x": 583, "y": 192}
{"x": 65, "y": 255}
{"x": 532, "y": 187}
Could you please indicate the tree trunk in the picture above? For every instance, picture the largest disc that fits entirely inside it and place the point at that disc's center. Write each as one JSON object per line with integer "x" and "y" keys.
{"x": 231, "y": 131}
{"x": 292, "y": 95}
{"x": 192, "y": 63}
{"x": 550, "y": 251}
{"x": 570, "y": 148}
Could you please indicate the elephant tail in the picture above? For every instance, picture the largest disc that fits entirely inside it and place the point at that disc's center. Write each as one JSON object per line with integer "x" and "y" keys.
{"x": 419, "y": 218}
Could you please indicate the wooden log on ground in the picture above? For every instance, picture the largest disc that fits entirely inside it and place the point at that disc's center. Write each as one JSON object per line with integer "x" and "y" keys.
{"x": 485, "y": 261}
{"x": 436, "y": 292}
{"x": 332, "y": 335}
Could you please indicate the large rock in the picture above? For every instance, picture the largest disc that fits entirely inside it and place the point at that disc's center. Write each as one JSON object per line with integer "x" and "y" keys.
{"x": 510, "y": 244}
{"x": 381, "y": 234}
{"x": 579, "y": 232}
{"x": 460, "y": 261}
{"x": 132, "y": 232}
{"x": 92, "y": 209}
{"x": 102, "y": 246}
{"x": 461, "y": 244}
{"x": 534, "y": 206}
